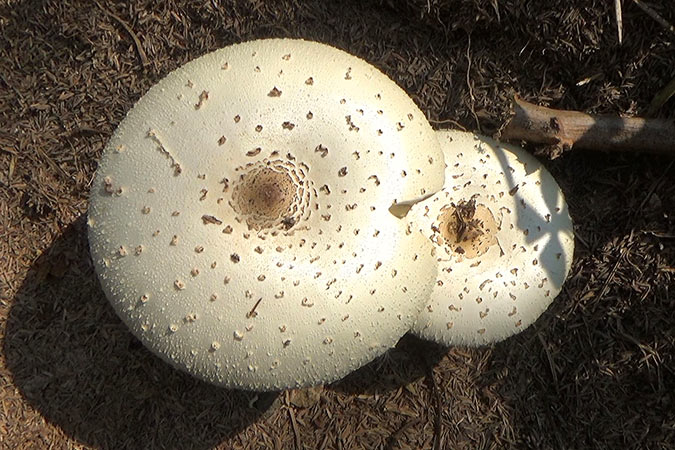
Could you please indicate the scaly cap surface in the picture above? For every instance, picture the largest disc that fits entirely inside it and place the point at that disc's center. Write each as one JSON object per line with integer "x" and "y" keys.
{"x": 239, "y": 218}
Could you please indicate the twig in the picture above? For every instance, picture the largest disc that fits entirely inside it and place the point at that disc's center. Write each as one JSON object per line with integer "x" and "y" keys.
{"x": 619, "y": 19}
{"x": 252, "y": 312}
{"x": 447, "y": 121}
{"x": 612, "y": 273}
{"x": 137, "y": 43}
{"x": 551, "y": 363}
{"x": 662, "y": 97}
{"x": 561, "y": 130}
{"x": 468, "y": 81}
{"x": 438, "y": 404}
{"x": 653, "y": 187}
{"x": 654, "y": 15}
{"x": 55, "y": 167}
{"x": 393, "y": 439}
{"x": 294, "y": 423}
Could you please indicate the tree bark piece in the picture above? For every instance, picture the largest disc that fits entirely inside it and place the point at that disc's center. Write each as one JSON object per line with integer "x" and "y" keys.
{"x": 560, "y": 130}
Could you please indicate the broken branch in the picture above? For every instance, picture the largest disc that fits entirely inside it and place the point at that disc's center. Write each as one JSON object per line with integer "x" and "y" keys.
{"x": 560, "y": 130}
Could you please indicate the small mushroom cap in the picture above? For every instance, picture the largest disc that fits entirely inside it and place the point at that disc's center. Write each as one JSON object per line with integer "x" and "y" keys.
{"x": 239, "y": 219}
{"x": 503, "y": 240}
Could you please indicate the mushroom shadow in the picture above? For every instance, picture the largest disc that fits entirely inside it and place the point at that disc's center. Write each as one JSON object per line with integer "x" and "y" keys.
{"x": 411, "y": 359}
{"x": 78, "y": 365}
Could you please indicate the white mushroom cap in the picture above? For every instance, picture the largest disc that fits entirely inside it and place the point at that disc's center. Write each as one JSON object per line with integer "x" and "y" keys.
{"x": 239, "y": 219}
{"x": 504, "y": 261}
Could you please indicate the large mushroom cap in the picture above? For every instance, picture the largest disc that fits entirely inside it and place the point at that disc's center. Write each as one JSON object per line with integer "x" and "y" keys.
{"x": 503, "y": 241}
{"x": 239, "y": 218}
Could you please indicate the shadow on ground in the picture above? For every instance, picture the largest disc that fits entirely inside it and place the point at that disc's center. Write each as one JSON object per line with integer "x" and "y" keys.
{"x": 411, "y": 360}
{"x": 77, "y": 364}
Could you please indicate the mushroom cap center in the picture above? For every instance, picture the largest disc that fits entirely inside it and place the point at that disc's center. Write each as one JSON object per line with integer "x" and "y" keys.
{"x": 270, "y": 196}
{"x": 266, "y": 193}
{"x": 468, "y": 228}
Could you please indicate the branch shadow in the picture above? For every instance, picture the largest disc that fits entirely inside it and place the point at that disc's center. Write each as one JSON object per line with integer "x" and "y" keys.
{"x": 76, "y": 363}
{"x": 597, "y": 370}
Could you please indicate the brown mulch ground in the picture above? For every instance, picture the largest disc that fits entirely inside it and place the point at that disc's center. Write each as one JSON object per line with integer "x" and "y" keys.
{"x": 596, "y": 371}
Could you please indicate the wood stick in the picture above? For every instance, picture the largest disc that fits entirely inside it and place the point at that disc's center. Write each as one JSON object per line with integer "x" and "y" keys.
{"x": 656, "y": 16}
{"x": 619, "y": 19}
{"x": 559, "y": 131}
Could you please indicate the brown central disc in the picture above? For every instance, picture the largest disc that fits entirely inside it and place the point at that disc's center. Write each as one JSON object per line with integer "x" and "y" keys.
{"x": 468, "y": 230}
{"x": 265, "y": 195}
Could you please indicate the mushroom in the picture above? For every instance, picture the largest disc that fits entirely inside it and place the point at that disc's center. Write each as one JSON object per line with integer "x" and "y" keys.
{"x": 240, "y": 218}
{"x": 502, "y": 237}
